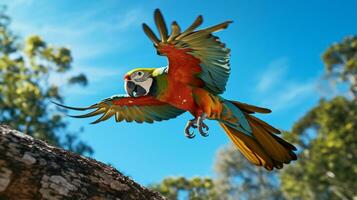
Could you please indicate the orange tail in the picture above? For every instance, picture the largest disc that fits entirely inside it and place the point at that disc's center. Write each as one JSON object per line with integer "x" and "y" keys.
{"x": 265, "y": 148}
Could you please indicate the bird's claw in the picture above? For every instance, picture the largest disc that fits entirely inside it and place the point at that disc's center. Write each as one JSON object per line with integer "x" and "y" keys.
{"x": 190, "y": 124}
{"x": 196, "y": 123}
{"x": 190, "y": 135}
{"x": 202, "y": 126}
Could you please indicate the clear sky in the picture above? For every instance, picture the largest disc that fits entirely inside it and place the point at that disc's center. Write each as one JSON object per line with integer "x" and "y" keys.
{"x": 276, "y": 49}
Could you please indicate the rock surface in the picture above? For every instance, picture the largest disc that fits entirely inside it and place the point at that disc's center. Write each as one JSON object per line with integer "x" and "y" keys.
{"x": 32, "y": 169}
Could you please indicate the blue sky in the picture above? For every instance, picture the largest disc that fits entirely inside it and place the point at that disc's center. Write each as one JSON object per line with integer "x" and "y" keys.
{"x": 276, "y": 49}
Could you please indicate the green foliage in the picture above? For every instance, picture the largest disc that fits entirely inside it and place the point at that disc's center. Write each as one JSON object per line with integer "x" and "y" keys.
{"x": 26, "y": 90}
{"x": 326, "y": 135}
{"x": 327, "y": 166}
{"x": 195, "y": 188}
{"x": 239, "y": 179}
{"x": 341, "y": 62}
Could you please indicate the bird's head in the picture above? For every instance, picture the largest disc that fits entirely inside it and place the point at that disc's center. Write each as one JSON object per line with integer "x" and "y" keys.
{"x": 138, "y": 82}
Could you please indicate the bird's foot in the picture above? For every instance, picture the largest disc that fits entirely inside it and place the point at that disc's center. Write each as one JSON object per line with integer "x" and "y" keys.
{"x": 196, "y": 123}
{"x": 190, "y": 124}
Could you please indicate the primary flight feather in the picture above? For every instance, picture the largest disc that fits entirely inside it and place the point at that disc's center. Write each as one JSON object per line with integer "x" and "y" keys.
{"x": 196, "y": 76}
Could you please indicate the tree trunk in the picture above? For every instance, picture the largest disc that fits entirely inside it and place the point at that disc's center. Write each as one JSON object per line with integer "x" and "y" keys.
{"x": 31, "y": 169}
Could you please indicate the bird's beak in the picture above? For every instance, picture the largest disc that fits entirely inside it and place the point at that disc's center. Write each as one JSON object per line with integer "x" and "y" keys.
{"x": 130, "y": 88}
{"x": 134, "y": 90}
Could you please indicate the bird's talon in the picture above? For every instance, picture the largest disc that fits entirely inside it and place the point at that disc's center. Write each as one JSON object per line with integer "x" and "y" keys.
{"x": 202, "y": 132}
{"x": 205, "y": 126}
{"x": 190, "y": 135}
{"x": 196, "y": 123}
{"x": 190, "y": 124}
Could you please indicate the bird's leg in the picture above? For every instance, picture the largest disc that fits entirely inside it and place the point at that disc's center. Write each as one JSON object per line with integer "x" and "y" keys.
{"x": 202, "y": 125}
{"x": 190, "y": 124}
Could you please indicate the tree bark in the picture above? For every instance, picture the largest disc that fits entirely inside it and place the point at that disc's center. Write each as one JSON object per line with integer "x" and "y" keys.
{"x": 32, "y": 169}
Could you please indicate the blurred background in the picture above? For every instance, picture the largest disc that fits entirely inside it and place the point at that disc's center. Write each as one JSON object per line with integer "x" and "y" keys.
{"x": 298, "y": 58}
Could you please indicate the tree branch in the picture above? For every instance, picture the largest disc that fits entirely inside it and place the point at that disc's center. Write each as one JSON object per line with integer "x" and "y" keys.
{"x": 31, "y": 169}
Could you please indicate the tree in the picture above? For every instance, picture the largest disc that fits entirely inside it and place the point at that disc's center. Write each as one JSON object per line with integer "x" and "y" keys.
{"x": 327, "y": 166}
{"x": 341, "y": 62}
{"x": 26, "y": 90}
{"x": 196, "y": 188}
{"x": 326, "y": 136}
{"x": 31, "y": 169}
{"x": 239, "y": 179}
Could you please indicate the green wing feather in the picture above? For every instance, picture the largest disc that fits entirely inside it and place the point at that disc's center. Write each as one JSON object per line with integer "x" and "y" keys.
{"x": 140, "y": 109}
{"x": 212, "y": 53}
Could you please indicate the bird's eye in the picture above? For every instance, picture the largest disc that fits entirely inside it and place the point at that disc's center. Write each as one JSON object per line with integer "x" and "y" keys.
{"x": 140, "y": 73}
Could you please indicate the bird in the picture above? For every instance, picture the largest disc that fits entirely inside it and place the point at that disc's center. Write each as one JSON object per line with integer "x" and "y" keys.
{"x": 194, "y": 81}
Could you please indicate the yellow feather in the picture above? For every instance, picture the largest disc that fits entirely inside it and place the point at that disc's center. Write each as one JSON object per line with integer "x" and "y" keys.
{"x": 270, "y": 145}
{"x": 249, "y": 147}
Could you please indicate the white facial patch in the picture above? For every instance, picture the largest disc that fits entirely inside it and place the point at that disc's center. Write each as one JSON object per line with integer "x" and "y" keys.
{"x": 145, "y": 84}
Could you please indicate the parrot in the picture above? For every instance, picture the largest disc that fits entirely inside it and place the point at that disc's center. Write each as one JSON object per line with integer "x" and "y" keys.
{"x": 194, "y": 80}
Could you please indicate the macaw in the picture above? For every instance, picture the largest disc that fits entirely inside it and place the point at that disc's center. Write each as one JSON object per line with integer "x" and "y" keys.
{"x": 193, "y": 81}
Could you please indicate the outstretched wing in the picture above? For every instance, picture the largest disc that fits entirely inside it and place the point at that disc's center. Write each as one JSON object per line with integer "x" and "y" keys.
{"x": 195, "y": 57}
{"x": 138, "y": 109}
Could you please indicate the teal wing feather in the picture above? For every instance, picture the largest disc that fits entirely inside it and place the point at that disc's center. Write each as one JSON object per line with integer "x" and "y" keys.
{"x": 138, "y": 109}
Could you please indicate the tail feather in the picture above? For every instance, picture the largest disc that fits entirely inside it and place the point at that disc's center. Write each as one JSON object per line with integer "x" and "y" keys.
{"x": 249, "y": 147}
{"x": 271, "y": 146}
{"x": 263, "y": 147}
{"x": 284, "y": 143}
{"x": 265, "y": 125}
{"x": 278, "y": 165}
{"x": 250, "y": 108}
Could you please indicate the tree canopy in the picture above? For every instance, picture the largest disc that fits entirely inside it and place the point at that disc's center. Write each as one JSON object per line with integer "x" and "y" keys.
{"x": 326, "y": 135}
{"x": 340, "y": 61}
{"x": 327, "y": 166}
{"x": 26, "y": 89}
{"x": 196, "y": 188}
{"x": 239, "y": 179}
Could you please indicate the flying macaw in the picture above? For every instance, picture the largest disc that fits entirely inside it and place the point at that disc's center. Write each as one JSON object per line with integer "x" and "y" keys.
{"x": 193, "y": 81}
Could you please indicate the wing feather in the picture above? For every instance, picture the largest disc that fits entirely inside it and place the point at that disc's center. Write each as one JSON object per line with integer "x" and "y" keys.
{"x": 161, "y": 26}
{"x": 91, "y": 114}
{"x": 175, "y": 31}
{"x": 140, "y": 109}
{"x": 198, "y": 21}
{"x": 119, "y": 117}
{"x": 212, "y": 54}
{"x": 151, "y": 35}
